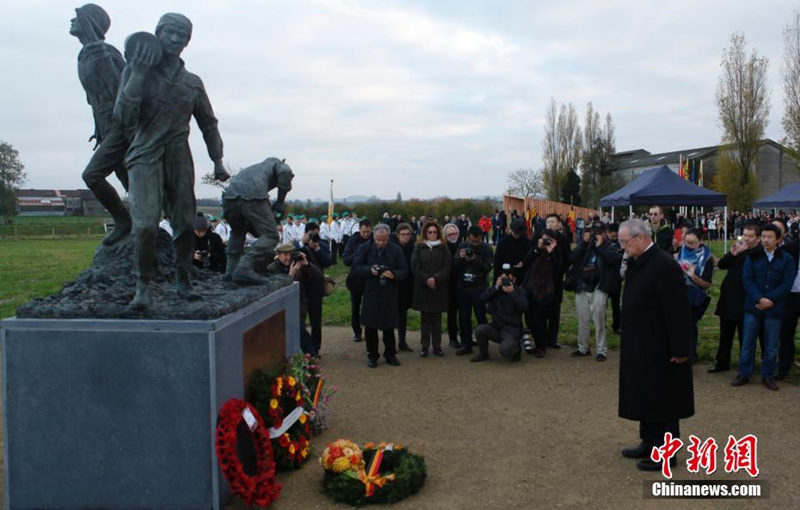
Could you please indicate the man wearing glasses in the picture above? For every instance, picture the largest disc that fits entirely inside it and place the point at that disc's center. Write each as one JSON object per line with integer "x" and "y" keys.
{"x": 655, "y": 380}
{"x": 662, "y": 232}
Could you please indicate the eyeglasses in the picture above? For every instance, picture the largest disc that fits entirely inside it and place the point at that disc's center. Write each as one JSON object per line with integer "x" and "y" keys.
{"x": 452, "y": 234}
{"x": 623, "y": 242}
{"x": 434, "y": 231}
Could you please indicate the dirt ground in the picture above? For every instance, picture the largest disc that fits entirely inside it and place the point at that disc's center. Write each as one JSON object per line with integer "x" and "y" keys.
{"x": 541, "y": 433}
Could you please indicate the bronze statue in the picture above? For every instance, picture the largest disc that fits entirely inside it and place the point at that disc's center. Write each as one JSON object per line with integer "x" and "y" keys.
{"x": 99, "y": 69}
{"x": 247, "y": 208}
{"x": 156, "y": 102}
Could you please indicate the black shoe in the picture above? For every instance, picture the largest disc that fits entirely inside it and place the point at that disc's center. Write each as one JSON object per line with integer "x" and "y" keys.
{"x": 578, "y": 354}
{"x": 464, "y": 350}
{"x": 740, "y": 381}
{"x": 455, "y": 344}
{"x": 554, "y": 345}
{"x": 372, "y": 363}
{"x": 479, "y": 357}
{"x": 437, "y": 351}
{"x": 356, "y": 338}
{"x": 600, "y": 357}
{"x": 716, "y": 369}
{"x": 392, "y": 360}
{"x": 640, "y": 451}
{"x": 769, "y": 384}
{"x": 649, "y": 465}
{"x": 539, "y": 353}
{"x": 403, "y": 346}
{"x": 781, "y": 375}
{"x": 423, "y": 352}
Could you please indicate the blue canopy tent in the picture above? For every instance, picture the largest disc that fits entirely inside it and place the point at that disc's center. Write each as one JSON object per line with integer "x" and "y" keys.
{"x": 662, "y": 186}
{"x": 788, "y": 196}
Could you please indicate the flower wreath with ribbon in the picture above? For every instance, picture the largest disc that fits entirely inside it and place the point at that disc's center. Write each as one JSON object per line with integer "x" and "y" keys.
{"x": 316, "y": 391}
{"x": 288, "y": 421}
{"x": 260, "y": 489}
{"x": 383, "y": 473}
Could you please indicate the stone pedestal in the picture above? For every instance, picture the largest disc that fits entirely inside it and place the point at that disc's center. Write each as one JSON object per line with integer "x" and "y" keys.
{"x": 121, "y": 414}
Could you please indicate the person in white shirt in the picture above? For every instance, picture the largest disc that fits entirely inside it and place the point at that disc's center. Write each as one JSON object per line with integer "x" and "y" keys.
{"x": 223, "y": 230}
{"x": 165, "y": 225}
{"x": 337, "y": 247}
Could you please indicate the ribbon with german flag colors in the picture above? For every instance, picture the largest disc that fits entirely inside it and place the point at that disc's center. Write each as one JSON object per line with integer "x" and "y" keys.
{"x": 371, "y": 478}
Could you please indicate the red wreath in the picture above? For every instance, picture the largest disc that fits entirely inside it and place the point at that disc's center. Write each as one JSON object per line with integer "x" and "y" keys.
{"x": 261, "y": 489}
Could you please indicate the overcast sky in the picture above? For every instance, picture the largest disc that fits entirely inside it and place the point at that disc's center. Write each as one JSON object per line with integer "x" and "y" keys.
{"x": 429, "y": 98}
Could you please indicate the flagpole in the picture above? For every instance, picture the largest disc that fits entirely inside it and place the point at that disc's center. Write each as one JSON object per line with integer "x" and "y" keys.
{"x": 330, "y": 205}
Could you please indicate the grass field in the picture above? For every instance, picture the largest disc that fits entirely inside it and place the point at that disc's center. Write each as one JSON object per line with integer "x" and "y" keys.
{"x": 39, "y": 267}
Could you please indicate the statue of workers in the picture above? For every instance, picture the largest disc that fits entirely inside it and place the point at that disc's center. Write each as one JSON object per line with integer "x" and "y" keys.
{"x": 99, "y": 69}
{"x": 157, "y": 100}
{"x": 246, "y": 206}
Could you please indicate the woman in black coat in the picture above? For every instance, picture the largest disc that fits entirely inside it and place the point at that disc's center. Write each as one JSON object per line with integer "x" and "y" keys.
{"x": 430, "y": 266}
{"x": 655, "y": 380}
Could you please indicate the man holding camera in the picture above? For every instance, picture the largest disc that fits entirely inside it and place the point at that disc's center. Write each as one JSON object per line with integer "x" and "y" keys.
{"x": 355, "y": 284}
{"x": 542, "y": 270}
{"x": 472, "y": 264}
{"x": 317, "y": 254}
{"x": 596, "y": 260}
{"x": 294, "y": 263}
{"x": 506, "y": 303}
{"x": 379, "y": 264}
{"x": 209, "y": 250}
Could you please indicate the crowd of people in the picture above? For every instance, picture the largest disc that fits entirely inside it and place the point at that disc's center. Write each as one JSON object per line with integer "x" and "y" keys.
{"x": 509, "y": 275}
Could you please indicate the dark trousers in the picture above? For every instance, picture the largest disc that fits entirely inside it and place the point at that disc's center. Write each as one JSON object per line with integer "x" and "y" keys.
{"x": 652, "y": 433}
{"x": 727, "y": 328}
{"x": 509, "y": 339}
{"x": 342, "y": 246}
{"x": 355, "y": 311}
{"x": 536, "y": 320}
{"x": 614, "y": 299}
{"x": 431, "y": 330}
{"x": 788, "y": 326}
{"x": 389, "y": 349}
{"x": 452, "y": 317}
{"x": 334, "y": 251}
{"x": 469, "y": 300}
{"x": 315, "y": 321}
{"x": 553, "y": 318}
{"x": 402, "y": 325}
{"x": 306, "y": 343}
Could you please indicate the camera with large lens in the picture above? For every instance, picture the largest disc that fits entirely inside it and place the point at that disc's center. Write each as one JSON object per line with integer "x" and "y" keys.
{"x": 380, "y": 268}
{"x": 469, "y": 252}
{"x": 505, "y": 282}
{"x": 546, "y": 241}
{"x": 296, "y": 257}
{"x": 314, "y": 237}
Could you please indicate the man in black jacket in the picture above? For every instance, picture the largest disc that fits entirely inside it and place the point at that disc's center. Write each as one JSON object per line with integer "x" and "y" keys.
{"x": 596, "y": 261}
{"x": 404, "y": 238}
{"x": 662, "y": 232}
{"x": 507, "y": 303}
{"x": 472, "y": 263}
{"x": 317, "y": 253}
{"x": 380, "y": 265}
{"x": 791, "y": 313}
{"x": 730, "y": 307}
{"x": 541, "y": 269}
{"x": 512, "y": 249}
{"x": 354, "y": 284}
{"x": 209, "y": 250}
{"x": 562, "y": 251}
{"x": 451, "y": 233}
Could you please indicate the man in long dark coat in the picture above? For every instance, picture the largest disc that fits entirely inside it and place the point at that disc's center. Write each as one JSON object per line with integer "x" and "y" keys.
{"x": 380, "y": 265}
{"x": 655, "y": 380}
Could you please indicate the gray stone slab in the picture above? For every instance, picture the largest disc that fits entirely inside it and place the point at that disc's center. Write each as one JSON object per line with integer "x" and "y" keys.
{"x": 121, "y": 414}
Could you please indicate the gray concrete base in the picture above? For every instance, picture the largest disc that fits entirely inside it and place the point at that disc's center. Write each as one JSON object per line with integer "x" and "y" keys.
{"x": 121, "y": 414}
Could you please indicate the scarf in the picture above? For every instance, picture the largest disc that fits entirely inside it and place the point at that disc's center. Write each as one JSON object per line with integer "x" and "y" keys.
{"x": 697, "y": 257}
{"x": 431, "y": 244}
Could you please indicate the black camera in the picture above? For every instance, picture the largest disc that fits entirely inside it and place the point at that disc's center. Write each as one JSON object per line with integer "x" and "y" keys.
{"x": 314, "y": 237}
{"x": 380, "y": 268}
{"x": 505, "y": 282}
{"x": 546, "y": 241}
{"x": 296, "y": 256}
{"x": 469, "y": 252}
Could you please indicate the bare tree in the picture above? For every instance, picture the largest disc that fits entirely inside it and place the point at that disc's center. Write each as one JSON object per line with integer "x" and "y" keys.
{"x": 743, "y": 101}
{"x": 12, "y": 175}
{"x": 561, "y": 147}
{"x": 526, "y": 182}
{"x": 597, "y": 177}
{"x": 791, "y": 83}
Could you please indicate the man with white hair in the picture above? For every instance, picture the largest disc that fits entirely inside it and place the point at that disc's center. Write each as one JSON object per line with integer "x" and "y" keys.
{"x": 655, "y": 380}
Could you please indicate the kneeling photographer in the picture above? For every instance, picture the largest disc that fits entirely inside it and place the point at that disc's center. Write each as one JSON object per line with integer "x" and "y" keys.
{"x": 295, "y": 264}
{"x": 506, "y": 302}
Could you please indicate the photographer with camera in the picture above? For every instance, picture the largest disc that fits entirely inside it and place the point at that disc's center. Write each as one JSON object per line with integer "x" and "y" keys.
{"x": 295, "y": 263}
{"x": 506, "y": 303}
{"x": 542, "y": 272}
{"x": 355, "y": 284}
{"x": 318, "y": 254}
{"x": 472, "y": 263}
{"x": 596, "y": 265}
{"x": 209, "y": 250}
{"x": 379, "y": 264}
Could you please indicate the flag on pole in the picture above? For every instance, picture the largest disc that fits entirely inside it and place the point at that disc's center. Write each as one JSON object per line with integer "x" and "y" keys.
{"x": 680, "y": 166}
{"x": 700, "y": 175}
{"x": 330, "y": 205}
{"x": 686, "y": 169}
{"x": 694, "y": 171}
